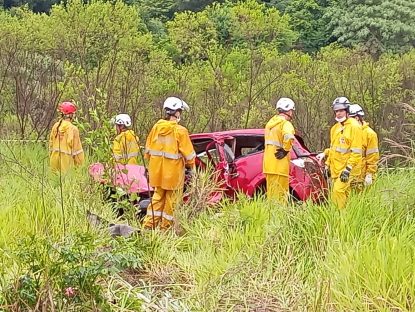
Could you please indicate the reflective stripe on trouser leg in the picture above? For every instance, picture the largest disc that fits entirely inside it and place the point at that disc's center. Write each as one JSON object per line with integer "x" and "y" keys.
{"x": 277, "y": 187}
{"x": 172, "y": 198}
{"x": 155, "y": 207}
{"x": 340, "y": 192}
{"x": 164, "y": 203}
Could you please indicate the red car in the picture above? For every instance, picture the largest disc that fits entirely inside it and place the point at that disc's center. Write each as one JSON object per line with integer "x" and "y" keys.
{"x": 236, "y": 156}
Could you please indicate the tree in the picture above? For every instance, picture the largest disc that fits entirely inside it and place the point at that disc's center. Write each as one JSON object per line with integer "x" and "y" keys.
{"x": 307, "y": 18}
{"x": 156, "y": 9}
{"x": 37, "y": 6}
{"x": 193, "y": 5}
{"x": 377, "y": 25}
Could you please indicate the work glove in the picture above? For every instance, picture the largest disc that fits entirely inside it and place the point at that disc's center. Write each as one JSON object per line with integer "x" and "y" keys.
{"x": 281, "y": 153}
{"x": 368, "y": 179}
{"x": 320, "y": 157}
{"x": 327, "y": 172}
{"x": 344, "y": 177}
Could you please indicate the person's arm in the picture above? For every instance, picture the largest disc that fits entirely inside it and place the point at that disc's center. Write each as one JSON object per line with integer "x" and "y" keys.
{"x": 372, "y": 154}
{"x": 76, "y": 147}
{"x": 355, "y": 147}
{"x": 186, "y": 148}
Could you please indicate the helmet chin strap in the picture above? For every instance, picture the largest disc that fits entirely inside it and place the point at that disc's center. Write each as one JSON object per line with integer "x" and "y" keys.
{"x": 288, "y": 117}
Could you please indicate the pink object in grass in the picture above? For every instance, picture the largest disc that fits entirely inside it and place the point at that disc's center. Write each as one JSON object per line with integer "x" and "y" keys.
{"x": 70, "y": 292}
{"x": 130, "y": 178}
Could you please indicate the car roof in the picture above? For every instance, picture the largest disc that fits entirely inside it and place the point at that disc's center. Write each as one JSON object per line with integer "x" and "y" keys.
{"x": 236, "y": 132}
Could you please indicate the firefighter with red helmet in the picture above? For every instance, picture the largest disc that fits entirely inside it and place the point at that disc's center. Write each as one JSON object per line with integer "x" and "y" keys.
{"x": 65, "y": 148}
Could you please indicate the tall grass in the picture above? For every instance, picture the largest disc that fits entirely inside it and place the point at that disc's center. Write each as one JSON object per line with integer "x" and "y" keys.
{"x": 247, "y": 255}
{"x": 257, "y": 256}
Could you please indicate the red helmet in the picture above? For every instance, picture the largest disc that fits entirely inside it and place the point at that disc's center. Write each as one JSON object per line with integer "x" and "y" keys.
{"x": 67, "y": 108}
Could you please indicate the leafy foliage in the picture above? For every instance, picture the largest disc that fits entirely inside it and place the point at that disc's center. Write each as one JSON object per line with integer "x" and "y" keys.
{"x": 379, "y": 26}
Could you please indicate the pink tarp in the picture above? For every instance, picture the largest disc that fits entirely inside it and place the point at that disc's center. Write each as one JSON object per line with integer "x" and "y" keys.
{"x": 131, "y": 178}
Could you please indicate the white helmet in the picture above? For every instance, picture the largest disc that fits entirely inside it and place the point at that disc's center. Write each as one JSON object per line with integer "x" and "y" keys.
{"x": 173, "y": 104}
{"x": 340, "y": 103}
{"x": 356, "y": 110}
{"x": 285, "y": 105}
{"x": 122, "y": 119}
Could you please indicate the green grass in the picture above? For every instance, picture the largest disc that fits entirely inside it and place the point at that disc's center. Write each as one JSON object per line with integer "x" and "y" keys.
{"x": 244, "y": 256}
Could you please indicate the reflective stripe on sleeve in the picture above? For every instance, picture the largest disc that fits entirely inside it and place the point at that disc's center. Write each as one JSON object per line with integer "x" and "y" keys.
{"x": 271, "y": 142}
{"x": 191, "y": 156}
{"x": 342, "y": 150}
{"x": 372, "y": 151}
{"x": 289, "y": 136}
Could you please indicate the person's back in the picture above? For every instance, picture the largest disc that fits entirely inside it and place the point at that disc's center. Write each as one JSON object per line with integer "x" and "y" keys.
{"x": 169, "y": 150}
{"x": 65, "y": 146}
{"x": 168, "y": 147}
{"x": 125, "y": 147}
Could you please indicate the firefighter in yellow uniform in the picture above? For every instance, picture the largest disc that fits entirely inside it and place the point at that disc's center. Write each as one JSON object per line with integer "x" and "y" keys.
{"x": 279, "y": 136}
{"x": 125, "y": 146}
{"x": 370, "y": 146}
{"x": 65, "y": 147}
{"x": 344, "y": 157}
{"x": 169, "y": 150}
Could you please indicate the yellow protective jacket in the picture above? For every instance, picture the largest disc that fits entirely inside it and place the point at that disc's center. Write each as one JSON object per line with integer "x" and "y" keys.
{"x": 345, "y": 148}
{"x": 65, "y": 146}
{"x": 371, "y": 154}
{"x": 279, "y": 133}
{"x": 125, "y": 148}
{"x": 169, "y": 149}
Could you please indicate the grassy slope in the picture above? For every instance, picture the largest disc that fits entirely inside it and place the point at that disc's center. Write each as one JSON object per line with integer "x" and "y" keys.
{"x": 251, "y": 256}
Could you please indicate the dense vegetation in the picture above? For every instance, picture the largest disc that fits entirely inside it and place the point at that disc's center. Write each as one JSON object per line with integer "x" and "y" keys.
{"x": 243, "y": 256}
{"x": 230, "y": 61}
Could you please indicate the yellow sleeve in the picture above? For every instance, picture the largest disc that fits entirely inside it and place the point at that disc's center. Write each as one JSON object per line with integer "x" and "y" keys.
{"x": 356, "y": 147}
{"x": 287, "y": 135}
{"x": 186, "y": 148}
{"x": 148, "y": 144}
{"x": 327, "y": 150}
{"x": 117, "y": 148}
{"x": 51, "y": 137}
{"x": 372, "y": 153}
{"x": 77, "y": 150}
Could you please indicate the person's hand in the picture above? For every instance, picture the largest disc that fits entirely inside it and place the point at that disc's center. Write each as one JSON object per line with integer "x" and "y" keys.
{"x": 327, "y": 172}
{"x": 368, "y": 179}
{"x": 320, "y": 157}
{"x": 344, "y": 177}
{"x": 281, "y": 153}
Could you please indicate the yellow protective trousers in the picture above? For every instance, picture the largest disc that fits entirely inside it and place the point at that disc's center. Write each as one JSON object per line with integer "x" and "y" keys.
{"x": 277, "y": 187}
{"x": 160, "y": 211}
{"x": 341, "y": 190}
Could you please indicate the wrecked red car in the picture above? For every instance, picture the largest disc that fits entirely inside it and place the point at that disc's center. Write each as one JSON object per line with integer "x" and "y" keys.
{"x": 236, "y": 157}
